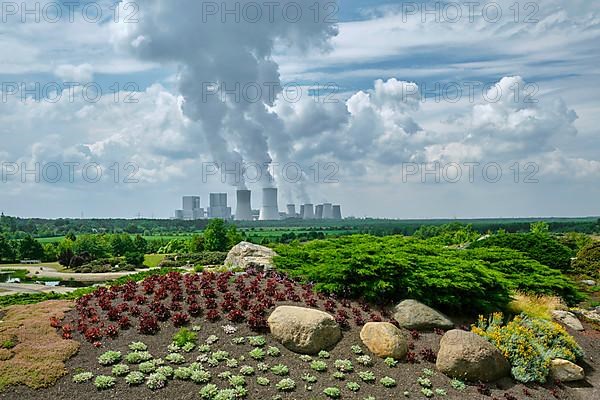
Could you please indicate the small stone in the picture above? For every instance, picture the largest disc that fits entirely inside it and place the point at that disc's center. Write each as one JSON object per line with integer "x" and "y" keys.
{"x": 384, "y": 340}
{"x": 567, "y": 318}
{"x": 566, "y": 371}
{"x": 412, "y": 314}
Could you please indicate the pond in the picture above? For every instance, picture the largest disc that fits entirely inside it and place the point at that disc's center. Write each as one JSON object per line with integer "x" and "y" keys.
{"x": 20, "y": 277}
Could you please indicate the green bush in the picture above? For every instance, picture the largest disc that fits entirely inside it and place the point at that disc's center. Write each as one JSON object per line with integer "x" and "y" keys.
{"x": 529, "y": 344}
{"x": 588, "y": 260}
{"x": 185, "y": 336}
{"x": 397, "y": 267}
{"x": 103, "y": 382}
{"x": 537, "y": 246}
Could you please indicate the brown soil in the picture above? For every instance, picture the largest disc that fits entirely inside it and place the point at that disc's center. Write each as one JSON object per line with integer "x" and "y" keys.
{"x": 404, "y": 373}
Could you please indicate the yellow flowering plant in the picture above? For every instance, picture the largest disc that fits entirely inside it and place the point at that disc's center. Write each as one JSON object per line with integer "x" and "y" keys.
{"x": 529, "y": 344}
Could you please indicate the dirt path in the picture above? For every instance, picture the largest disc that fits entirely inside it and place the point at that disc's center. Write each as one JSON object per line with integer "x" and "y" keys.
{"x": 7, "y": 289}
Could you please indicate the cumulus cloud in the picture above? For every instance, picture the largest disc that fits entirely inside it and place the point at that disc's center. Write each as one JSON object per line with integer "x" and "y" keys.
{"x": 75, "y": 73}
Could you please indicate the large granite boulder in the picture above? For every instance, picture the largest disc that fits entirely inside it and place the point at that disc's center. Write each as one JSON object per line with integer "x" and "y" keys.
{"x": 565, "y": 371}
{"x": 246, "y": 255}
{"x": 567, "y": 318}
{"x": 411, "y": 314}
{"x": 304, "y": 330}
{"x": 465, "y": 355}
{"x": 384, "y": 340}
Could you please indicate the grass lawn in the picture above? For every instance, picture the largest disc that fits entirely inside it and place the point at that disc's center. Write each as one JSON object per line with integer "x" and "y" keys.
{"x": 152, "y": 260}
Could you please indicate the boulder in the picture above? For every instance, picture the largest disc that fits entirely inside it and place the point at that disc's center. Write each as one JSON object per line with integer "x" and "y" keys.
{"x": 384, "y": 340}
{"x": 411, "y": 314}
{"x": 246, "y": 255}
{"x": 567, "y": 318}
{"x": 588, "y": 282}
{"x": 565, "y": 371}
{"x": 465, "y": 355}
{"x": 304, "y": 330}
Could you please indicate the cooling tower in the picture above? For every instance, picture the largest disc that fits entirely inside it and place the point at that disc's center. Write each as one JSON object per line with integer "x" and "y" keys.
{"x": 309, "y": 212}
{"x": 291, "y": 211}
{"x": 301, "y": 215}
{"x": 319, "y": 211}
{"x": 218, "y": 206}
{"x": 327, "y": 211}
{"x": 337, "y": 212}
{"x": 243, "y": 211}
{"x": 269, "y": 210}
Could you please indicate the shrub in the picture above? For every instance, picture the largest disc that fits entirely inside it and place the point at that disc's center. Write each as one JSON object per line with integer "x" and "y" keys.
{"x": 220, "y": 355}
{"x": 318, "y": 365}
{"x": 109, "y": 358}
{"x": 134, "y": 378}
{"x": 458, "y": 384}
{"x": 247, "y": 370}
{"x": 183, "y": 373}
{"x": 427, "y": 392}
{"x": 588, "y": 260}
{"x": 137, "y": 357}
{"x": 286, "y": 385}
{"x": 185, "y": 336}
{"x": 147, "y": 367}
{"x": 367, "y": 376}
{"x": 280, "y": 369}
{"x": 166, "y": 370}
{"x": 262, "y": 367}
{"x": 120, "y": 370}
{"x": 387, "y": 382}
{"x": 390, "y": 362}
{"x": 257, "y": 353}
{"x": 305, "y": 358}
{"x": 175, "y": 358}
{"x": 364, "y": 360}
{"x": 356, "y": 349}
{"x": 209, "y": 391}
{"x": 529, "y": 344}
{"x": 262, "y": 381}
{"x": 200, "y": 376}
{"x": 138, "y": 346}
{"x": 188, "y": 347}
{"x": 537, "y": 246}
{"x": 273, "y": 351}
{"x": 344, "y": 365}
{"x": 256, "y": 341}
{"x": 323, "y": 354}
{"x": 424, "y": 382}
{"x": 332, "y": 392}
{"x": 103, "y": 382}
{"x": 232, "y": 363}
{"x": 156, "y": 381}
{"x": 309, "y": 378}
{"x": 392, "y": 268}
{"x": 338, "y": 375}
{"x": 82, "y": 377}
{"x": 237, "y": 380}
{"x": 353, "y": 386}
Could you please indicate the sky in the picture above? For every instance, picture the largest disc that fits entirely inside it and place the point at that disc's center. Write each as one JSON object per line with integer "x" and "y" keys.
{"x": 428, "y": 109}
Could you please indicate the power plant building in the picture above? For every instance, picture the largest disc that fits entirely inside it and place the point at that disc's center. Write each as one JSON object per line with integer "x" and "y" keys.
{"x": 243, "y": 210}
{"x": 269, "y": 210}
{"x": 218, "y": 206}
{"x": 191, "y": 209}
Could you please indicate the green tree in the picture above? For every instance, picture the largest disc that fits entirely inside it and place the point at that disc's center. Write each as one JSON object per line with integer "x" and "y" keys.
{"x": 121, "y": 244}
{"x": 233, "y": 236}
{"x": 196, "y": 244}
{"x": 65, "y": 252}
{"x": 140, "y": 244}
{"x": 96, "y": 246}
{"x": 50, "y": 252}
{"x": 7, "y": 251}
{"x": 134, "y": 258}
{"x": 30, "y": 249}
{"x": 215, "y": 236}
{"x": 540, "y": 227}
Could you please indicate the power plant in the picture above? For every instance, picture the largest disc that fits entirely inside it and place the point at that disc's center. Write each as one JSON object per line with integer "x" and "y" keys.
{"x": 243, "y": 210}
{"x": 269, "y": 211}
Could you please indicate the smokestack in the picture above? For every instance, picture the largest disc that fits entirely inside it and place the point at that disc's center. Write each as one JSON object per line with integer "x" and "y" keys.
{"x": 291, "y": 211}
{"x": 337, "y": 212}
{"x": 309, "y": 212}
{"x": 269, "y": 210}
{"x": 327, "y": 211}
{"x": 243, "y": 210}
{"x": 319, "y": 211}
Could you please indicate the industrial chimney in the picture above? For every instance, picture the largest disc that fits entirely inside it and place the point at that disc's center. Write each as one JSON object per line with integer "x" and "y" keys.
{"x": 291, "y": 211}
{"x": 243, "y": 211}
{"x": 309, "y": 212}
{"x": 269, "y": 210}
{"x": 327, "y": 211}
{"x": 337, "y": 212}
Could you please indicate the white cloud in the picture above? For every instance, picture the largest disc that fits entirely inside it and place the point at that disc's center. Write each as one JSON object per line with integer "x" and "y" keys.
{"x": 82, "y": 73}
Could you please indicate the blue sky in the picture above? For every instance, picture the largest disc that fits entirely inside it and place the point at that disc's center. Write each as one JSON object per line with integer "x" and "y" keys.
{"x": 390, "y": 78}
